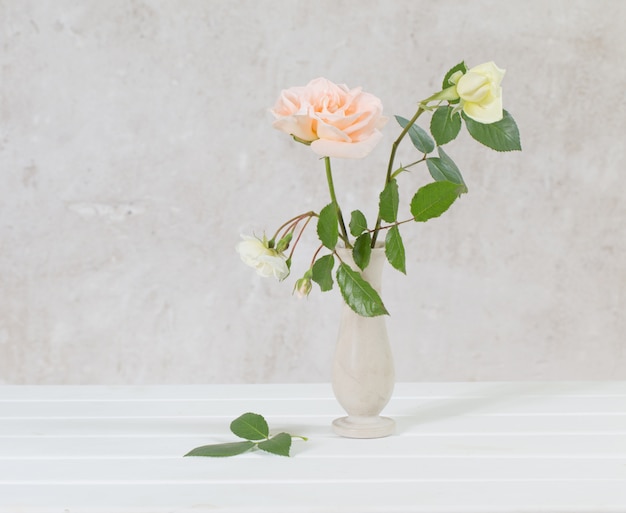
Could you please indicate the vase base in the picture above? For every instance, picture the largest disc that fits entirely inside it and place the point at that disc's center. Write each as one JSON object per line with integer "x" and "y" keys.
{"x": 364, "y": 427}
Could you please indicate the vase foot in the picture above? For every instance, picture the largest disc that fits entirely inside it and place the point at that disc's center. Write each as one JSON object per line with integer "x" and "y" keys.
{"x": 364, "y": 427}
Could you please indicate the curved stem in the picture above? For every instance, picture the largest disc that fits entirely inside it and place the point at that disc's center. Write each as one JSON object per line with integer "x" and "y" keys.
{"x": 333, "y": 197}
{"x": 293, "y": 247}
{"x": 392, "y": 157}
{"x": 293, "y": 220}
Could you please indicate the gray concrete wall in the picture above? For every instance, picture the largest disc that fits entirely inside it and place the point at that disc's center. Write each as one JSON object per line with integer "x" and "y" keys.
{"x": 136, "y": 145}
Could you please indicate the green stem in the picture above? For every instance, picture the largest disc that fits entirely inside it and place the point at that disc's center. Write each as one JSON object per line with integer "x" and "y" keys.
{"x": 333, "y": 197}
{"x": 392, "y": 156}
{"x": 404, "y": 168}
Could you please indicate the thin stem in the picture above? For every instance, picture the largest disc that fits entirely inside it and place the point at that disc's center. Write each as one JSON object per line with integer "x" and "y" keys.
{"x": 296, "y": 219}
{"x": 392, "y": 156}
{"x": 404, "y": 168}
{"x": 333, "y": 197}
{"x": 293, "y": 248}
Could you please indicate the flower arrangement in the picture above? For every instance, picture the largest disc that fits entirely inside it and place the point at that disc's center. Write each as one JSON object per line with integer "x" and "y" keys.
{"x": 338, "y": 122}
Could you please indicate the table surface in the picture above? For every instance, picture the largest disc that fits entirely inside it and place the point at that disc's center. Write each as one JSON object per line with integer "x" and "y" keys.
{"x": 458, "y": 447}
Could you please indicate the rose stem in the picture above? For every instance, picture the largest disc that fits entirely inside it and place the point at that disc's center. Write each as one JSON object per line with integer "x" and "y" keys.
{"x": 392, "y": 157}
{"x": 333, "y": 197}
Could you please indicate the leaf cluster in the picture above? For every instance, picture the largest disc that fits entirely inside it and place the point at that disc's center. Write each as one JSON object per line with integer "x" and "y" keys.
{"x": 430, "y": 201}
{"x": 253, "y": 428}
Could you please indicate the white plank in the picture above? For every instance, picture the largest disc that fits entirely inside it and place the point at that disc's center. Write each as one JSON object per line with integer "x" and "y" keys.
{"x": 297, "y": 407}
{"x": 484, "y": 446}
{"x": 444, "y": 423}
{"x": 258, "y": 467}
{"x": 427, "y": 497}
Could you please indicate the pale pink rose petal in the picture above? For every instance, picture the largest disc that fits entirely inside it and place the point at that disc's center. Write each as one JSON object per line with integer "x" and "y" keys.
{"x": 299, "y": 125}
{"x": 331, "y": 133}
{"x": 347, "y": 150}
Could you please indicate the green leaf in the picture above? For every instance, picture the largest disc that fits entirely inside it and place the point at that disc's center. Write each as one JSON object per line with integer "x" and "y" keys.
{"x": 328, "y": 226}
{"x": 434, "y": 199}
{"x": 446, "y": 80}
{"x": 322, "y": 272}
{"x": 222, "y": 450}
{"x": 419, "y": 137}
{"x": 250, "y": 426}
{"x": 362, "y": 250}
{"x": 278, "y": 444}
{"x": 389, "y": 201}
{"x": 358, "y": 223}
{"x": 444, "y": 169}
{"x": 394, "y": 249}
{"x": 502, "y": 135}
{"x": 444, "y": 125}
{"x": 358, "y": 294}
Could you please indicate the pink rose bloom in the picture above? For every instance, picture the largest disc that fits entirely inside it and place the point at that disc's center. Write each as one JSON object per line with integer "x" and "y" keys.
{"x": 337, "y": 121}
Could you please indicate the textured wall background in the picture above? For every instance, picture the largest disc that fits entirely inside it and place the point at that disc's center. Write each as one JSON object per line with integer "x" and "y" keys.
{"x": 135, "y": 146}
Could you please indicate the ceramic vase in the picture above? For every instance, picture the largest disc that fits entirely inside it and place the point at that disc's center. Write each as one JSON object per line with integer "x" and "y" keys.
{"x": 363, "y": 371}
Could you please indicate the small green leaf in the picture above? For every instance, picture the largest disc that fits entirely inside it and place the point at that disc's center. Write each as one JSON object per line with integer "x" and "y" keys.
{"x": 250, "y": 426}
{"x": 278, "y": 444}
{"x": 359, "y": 295}
{"x": 444, "y": 169}
{"x": 362, "y": 250}
{"x": 394, "y": 249}
{"x": 419, "y": 137}
{"x": 502, "y": 135}
{"x": 322, "y": 272}
{"x": 222, "y": 450}
{"x": 434, "y": 199}
{"x": 328, "y": 226}
{"x": 389, "y": 201}
{"x": 446, "y": 80}
{"x": 358, "y": 223}
{"x": 444, "y": 125}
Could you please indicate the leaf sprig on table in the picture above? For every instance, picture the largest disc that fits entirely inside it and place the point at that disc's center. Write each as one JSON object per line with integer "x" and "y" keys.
{"x": 253, "y": 428}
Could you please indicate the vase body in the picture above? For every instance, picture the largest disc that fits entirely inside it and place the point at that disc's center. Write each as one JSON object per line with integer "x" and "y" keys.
{"x": 363, "y": 371}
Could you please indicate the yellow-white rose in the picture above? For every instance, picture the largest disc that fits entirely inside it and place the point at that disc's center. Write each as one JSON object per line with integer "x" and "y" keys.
{"x": 337, "y": 121}
{"x": 481, "y": 94}
{"x": 267, "y": 261}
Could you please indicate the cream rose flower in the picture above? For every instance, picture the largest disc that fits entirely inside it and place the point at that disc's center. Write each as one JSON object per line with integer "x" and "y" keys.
{"x": 267, "y": 261}
{"x": 481, "y": 94}
{"x": 337, "y": 121}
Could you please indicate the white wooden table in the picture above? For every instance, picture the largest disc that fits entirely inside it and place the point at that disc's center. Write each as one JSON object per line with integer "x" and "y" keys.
{"x": 459, "y": 447}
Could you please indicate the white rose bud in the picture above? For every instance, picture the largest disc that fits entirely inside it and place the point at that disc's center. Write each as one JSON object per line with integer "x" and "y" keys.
{"x": 267, "y": 261}
{"x": 481, "y": 94}
{"x": 303, "y": 287}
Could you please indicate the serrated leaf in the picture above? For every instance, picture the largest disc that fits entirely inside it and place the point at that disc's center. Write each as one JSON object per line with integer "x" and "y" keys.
{"x": 444, "y": 125}
{"x": 502, "y": 135}
{"x": 419, "y": 137}
{"x": 388, "y": 202}
{"x": 359, "y": 295}
{"x": 444, "y": 169}
{"x": 358, "y": 223}
{"x": 446, "y": 79}
{"x": 362, "y": 250}
{"x": 321, "y": 272}
{"x": 394, "y": 249}
{"x": 328, "y": 226}
{"x": 278, "y": 444}
{"x": 222, "y": 450}
{"x": 434, "y": 199}
{"x": 250, "y": 426}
